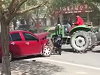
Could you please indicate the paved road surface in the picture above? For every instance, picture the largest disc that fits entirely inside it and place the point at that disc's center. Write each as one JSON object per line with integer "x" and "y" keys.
{"x": 68, "y": 63}
{"x": 76, "y": 64}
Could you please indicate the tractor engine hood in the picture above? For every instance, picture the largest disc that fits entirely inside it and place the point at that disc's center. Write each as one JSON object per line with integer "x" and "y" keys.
{"x": 42, "y": 35}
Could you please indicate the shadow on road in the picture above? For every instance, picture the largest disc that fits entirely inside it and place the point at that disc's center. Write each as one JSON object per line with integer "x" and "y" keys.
{"x": 27, "y": 57}
{"x": 68, "y": 50}
{"x": 32, "y": 67}
{"x": 97, "y": 51}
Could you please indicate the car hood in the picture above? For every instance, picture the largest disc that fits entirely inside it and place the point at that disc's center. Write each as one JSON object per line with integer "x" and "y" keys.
{"x": 42, "y": 35}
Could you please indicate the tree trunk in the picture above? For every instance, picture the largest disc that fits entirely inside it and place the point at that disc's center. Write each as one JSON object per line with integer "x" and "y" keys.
{"x": 5, "y": 48}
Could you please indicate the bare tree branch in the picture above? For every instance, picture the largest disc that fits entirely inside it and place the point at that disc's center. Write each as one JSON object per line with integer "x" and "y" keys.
{"x": 20, "y": 4}
{"x": 15, "y": 5}
{"x": 11, "y": 4}
{"x": 32, "y": 7}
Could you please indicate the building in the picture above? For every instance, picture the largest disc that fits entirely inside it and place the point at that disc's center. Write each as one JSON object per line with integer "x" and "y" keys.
{"x": 85, "y": 11}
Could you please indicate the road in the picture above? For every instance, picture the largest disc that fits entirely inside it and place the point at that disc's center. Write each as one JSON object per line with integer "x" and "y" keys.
{"x": 68, "y": 63}
{"x": 75, "y": 63}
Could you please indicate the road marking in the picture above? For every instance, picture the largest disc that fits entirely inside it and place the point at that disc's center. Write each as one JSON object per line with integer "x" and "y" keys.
{"x": 69, "y": 63}
{"x": 83, "y": 73}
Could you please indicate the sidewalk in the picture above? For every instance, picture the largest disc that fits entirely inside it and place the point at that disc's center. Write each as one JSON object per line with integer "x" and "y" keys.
{"x": 22, "y": 67}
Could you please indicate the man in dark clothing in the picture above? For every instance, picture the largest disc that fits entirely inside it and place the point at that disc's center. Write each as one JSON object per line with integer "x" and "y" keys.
{"x": 57, "y": 44}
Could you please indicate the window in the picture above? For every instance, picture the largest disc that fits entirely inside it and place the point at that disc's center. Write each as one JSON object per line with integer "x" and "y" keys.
{"x": 15, "y": 37}
{"x": 29, "y": 37}
{"x": 10, "y": 39}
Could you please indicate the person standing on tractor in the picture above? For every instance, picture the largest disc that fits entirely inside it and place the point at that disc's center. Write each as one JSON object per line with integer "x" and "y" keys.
{"x": 79, "y": 20}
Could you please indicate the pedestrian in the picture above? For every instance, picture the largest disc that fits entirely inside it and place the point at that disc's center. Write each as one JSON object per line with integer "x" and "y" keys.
{"x": 57, "y": 44}
{"x": 79, "y": 20}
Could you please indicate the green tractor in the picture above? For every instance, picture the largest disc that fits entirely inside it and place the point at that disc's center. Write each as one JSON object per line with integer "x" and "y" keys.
{"x": 81, "y": 38}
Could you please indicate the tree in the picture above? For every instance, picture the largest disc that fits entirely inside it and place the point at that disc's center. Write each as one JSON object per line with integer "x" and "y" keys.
{"x": 8, "y": 10}
{"x": 56, "y": 5}
{"x": 35, "y": 18}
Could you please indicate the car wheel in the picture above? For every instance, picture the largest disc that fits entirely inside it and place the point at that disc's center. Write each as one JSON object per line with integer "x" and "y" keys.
{"x": 50, "y": 44}
{"x": 80, "y": 41}
{"x": 10, "y": 56}
{"x": 46, "y": 51}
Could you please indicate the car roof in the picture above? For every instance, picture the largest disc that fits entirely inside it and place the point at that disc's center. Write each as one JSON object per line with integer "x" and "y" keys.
{"x": 14, "y": 31}
{"x": 21, "y": 31}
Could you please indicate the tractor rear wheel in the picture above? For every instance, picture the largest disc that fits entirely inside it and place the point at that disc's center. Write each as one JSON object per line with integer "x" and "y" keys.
{"x": 80, "y": 41}
{"x": 93, "y": 40}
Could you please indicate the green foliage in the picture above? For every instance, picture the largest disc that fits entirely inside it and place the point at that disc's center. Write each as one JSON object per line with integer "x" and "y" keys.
{"x": 6, "y": 3}
{"x": 57, "y": 4}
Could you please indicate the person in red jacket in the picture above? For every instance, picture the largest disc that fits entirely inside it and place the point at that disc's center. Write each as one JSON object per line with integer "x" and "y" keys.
{"x": 79, "y": 20}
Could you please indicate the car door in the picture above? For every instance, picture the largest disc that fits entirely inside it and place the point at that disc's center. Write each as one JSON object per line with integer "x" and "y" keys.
{"x": 17, "y": 45}
{"x": 33, "y": 43}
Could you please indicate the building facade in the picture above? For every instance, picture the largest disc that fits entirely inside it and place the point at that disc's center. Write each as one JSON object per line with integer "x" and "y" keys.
{"x": 90, "y": 15}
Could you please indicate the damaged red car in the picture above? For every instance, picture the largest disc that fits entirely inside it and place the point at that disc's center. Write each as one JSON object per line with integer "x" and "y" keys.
{"x": 24, "y": 43}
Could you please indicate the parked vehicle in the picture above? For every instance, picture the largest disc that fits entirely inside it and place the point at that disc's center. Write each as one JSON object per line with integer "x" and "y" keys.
{"x": 81, "y": 38}
{"x": 24, "y": 43}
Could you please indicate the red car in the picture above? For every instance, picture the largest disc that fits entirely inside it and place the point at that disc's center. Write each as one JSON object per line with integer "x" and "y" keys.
{"x": 24, "y": 43}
